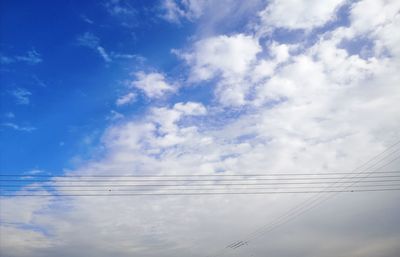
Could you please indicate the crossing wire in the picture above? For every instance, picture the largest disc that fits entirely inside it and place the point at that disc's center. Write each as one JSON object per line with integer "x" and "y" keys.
{"x": 312, "y": 204}
{"x": 313, "y": 201}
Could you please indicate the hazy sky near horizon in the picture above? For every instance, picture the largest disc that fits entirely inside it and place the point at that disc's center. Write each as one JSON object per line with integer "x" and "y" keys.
{"x": 118, "y": 87}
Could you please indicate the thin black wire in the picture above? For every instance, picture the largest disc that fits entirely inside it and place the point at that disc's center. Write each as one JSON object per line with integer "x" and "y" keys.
{"x": 56, "y": 180}
{"x": 311, "y": 205}
{"x": 203, "y": 189}
{"x": 55, "y": 185}
{"x": 204, "y": 193}
{"x": 240, "y": 243}
{"x": 345, "y": 187}
{"x": 189, "y": 175}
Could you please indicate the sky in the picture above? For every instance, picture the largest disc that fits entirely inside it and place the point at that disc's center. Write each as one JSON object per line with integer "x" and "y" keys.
{"x": 118, "y": 87}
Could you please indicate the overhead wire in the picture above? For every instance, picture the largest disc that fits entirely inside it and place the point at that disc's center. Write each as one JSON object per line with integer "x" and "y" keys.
{"x": 315, "y": 200}
{"x": 61, "y": 180}
{"x": 206, "y": 193}
{"x": 207, "y": 188}
{"x": 266, "y": 174}
{"x": 188, "y": 185}
{"x": 55, "y": 185}
{"x": 299, "y": 210}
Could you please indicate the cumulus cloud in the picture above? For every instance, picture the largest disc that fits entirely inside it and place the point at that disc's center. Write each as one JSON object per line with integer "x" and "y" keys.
{"x": 210, "y": 16}
{"x": 294, "y": 14}
{"x": 176, "y": 10}
{"x": 318, "y": 109}
{"x": 226, "y": 55}
{"x": 379, "y": 30}
{"x": 153, "y": 84}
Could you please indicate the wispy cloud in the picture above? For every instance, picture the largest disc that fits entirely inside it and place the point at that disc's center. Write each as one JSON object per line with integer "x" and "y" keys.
{"x": 32, "y": 57}
{"x": 38, "y": 81}
{"x": 21, "y": 95}
{"x": 103, "y": 54}
{"x": 35, "y": 172}
{"x": 119, "y": 7}
{"x": 128, "y": 56}
{"x": 91, "y": 41}
{"x": 338, "y": 110}
{"x": 88, "y": 39}
{"x": 114, "y": 115}
{"x": 126, "y": 99}
{"x": 18, "y": 127}
{"x": 86, "y": 19}
{"x": 5, "y": 59}
{"x": 9, "y": 115}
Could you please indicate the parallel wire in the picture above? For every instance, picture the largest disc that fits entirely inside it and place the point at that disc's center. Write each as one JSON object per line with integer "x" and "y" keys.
{"x": 204, "y": 189}
{"x": 299, "y": 210}
{"x": 313, "y": 201}
{"x": 56, "y": 180}
{"x": 201, "y": 185}
{"x": 204, "y": 193}
{"x": 321, "y": 199}
{"x": 344, "y": 183}
{"x": 187, "y": 175}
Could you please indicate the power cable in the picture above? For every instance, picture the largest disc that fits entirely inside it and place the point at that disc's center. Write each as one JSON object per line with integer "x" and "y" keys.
{"x": 312, "y": 200}
{"x": 203, "y": 193}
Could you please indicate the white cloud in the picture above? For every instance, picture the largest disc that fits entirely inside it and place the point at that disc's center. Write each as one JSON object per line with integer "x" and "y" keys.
{"x": 298, "y": 14}
{"x": 319, "y": 109}
{"x": 227, "y": 55}
{"x": 382, "y": 12}
{"x": 21, "y": 95}
{"x": 126, "y": 99}
{"x": 209, "y": 16}
{"x": 119, "y": 8}
{"x": 190, "y": 108}
{"x": 114, "y": 115}
{"x": 382, "y": 28}
{"x": 88, "y": 39}
{"x": 127, "y": 56}
{"x": 153, "y": 84}
{"x": 91, "y": 41}
{"x": 103, "y": 54}
{"x": 32, "y": 57}
{"x": 18, "y": 127}
{"x": 174, "y": 10}
{"x": 86, "y": 19}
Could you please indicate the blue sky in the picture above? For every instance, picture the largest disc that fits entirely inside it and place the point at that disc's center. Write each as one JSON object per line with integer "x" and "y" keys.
{"x": 58, "y": 90}
{"x": 196, "y": 87}
{"x": 68, "y": 89}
